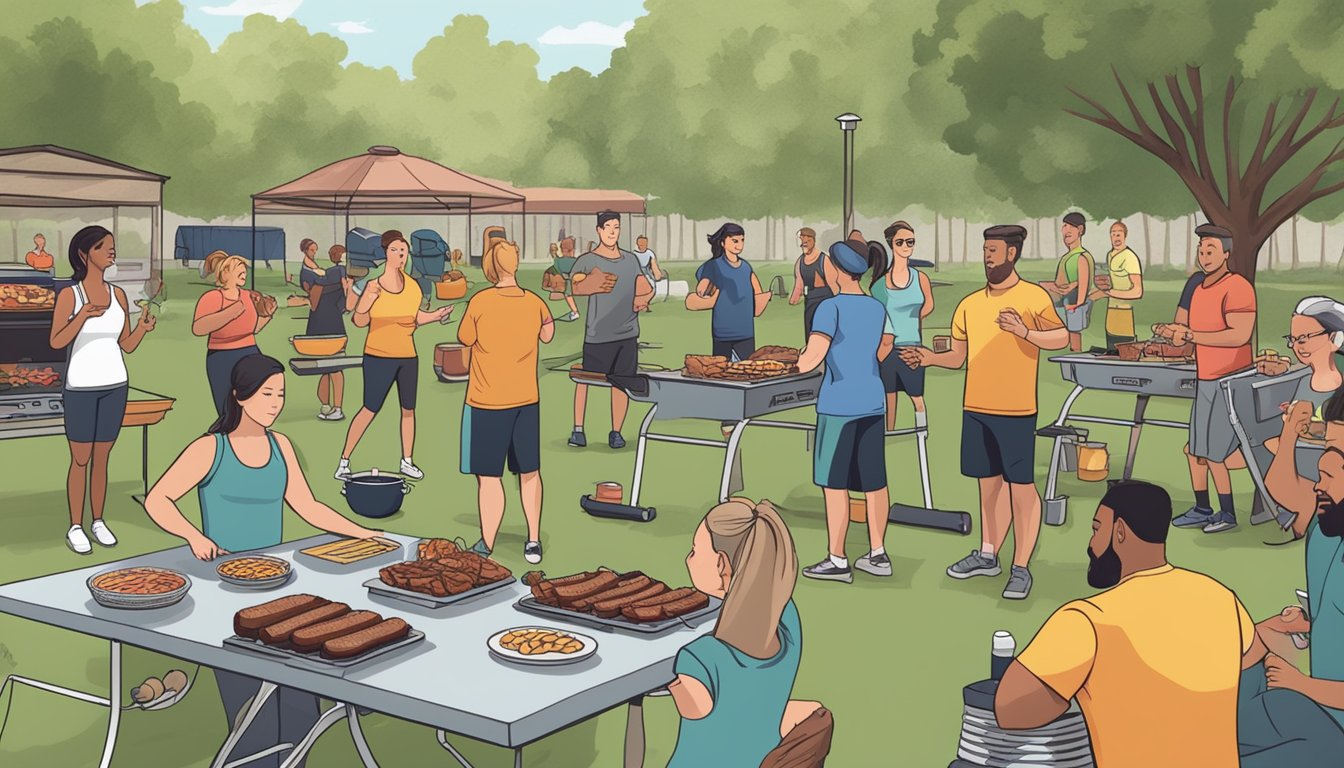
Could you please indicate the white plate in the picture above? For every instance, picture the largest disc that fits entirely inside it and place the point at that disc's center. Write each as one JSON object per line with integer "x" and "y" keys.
{"x": 542, "y": 659}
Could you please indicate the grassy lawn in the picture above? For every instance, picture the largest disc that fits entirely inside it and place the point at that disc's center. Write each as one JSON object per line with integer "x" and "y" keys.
{"x": 889, "y": 657}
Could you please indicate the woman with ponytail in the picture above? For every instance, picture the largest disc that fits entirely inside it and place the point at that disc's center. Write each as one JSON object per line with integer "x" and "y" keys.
{"x": 231, "y": 317}
{"x": 244, "y": 474}
{"x": 850, "y": 450}
{"x": 732, "y": 686}
{"x": 727, "y": 285}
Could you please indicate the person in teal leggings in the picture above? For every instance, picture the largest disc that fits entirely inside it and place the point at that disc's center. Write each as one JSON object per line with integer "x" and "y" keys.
{"x": 244, "y": 474}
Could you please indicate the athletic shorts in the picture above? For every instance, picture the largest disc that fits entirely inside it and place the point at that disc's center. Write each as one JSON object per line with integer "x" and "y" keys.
{"x": 491, "y": 438}
{"x": 740, "y": 347}
{"x": 899, "y": 377}
{"x": 94, "y": 415}
{"x": 850, "y": 453}
{"x": 998, "y": 446}
{"x": 379, "y": 375}
{"x": 618, "y": 357}
{"x": 1211, "y": 434}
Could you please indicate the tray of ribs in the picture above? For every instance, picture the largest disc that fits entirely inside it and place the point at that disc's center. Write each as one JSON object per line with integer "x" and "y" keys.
{"x": 751, "y": 369}
{"x": 313, "y": 629}
{"x": 443, "y": 573}
{"x": 606, "y": 599}
{"x": 1160, "y": 351}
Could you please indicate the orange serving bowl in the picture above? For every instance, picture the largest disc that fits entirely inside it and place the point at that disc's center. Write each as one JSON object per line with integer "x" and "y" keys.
{"x": 448, "y": 290}
{"x": 318, "y": 346}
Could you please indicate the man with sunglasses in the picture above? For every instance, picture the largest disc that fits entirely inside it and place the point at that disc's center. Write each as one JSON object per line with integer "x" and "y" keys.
{"x": 1222, "y": 319}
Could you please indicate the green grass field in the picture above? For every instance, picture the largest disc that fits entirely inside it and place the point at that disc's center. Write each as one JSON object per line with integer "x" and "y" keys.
{"x": 889, "y": 657}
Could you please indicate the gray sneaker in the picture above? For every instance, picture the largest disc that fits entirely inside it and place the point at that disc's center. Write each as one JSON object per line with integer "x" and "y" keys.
{"x": 829, "y": 571}
{"x": 480, "y": 548}
{"x": 1019, "y": 584}
{"x": 1194, "y": 517}
{"x": 1223, "y": 521}
{"x": 876, "y": 565}
{"x": 974, "y": 564}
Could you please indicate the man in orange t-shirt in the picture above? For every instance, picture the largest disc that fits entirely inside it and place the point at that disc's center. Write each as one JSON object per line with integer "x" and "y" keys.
{"x": 38, "y": 258}
{"x": 1222, "y": 319}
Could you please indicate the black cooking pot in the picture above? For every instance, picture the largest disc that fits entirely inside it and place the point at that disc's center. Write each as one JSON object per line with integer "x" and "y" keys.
{"x": 375, "y": 496}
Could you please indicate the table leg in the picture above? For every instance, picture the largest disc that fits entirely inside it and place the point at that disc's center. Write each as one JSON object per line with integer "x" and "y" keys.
{"x": 634, "y": 734}
{"x": 144, "y": 466}
{"x": 264, "y": 693}
{"x": 921, "y": 443}
{"x": 114, "y": 705}
{"x": 640, "y": 447}
{"x": 443, "y": 742}
{"x": 518, "y": 758}
{"x": 357, "y": 734}
{"x": 1140, "y": 405}
{"x": 329, "y": 718}
{"x": 1053, "y": 475}
{"x": 732, "y": 463}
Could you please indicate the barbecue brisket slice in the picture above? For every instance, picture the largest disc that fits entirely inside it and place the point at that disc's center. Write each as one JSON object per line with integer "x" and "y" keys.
{"x": 626, "y": 586}
{"x": 610, "y": 609}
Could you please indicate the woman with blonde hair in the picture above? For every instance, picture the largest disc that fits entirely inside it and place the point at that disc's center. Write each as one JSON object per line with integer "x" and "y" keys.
{"x": 231, "y": 317}
{"x": 733, "y": 685}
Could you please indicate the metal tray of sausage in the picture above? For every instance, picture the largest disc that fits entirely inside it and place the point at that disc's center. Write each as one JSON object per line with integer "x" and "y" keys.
{"x": 535, "y": 607}
{"x": 315, "y": 659}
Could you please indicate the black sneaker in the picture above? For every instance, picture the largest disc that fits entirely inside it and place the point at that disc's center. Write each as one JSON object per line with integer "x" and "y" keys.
{"x": 829, "y": 571}
{"x": 615, "y": 441}
{"x": 578, "y": 440}
{"x": 532, "y": 552}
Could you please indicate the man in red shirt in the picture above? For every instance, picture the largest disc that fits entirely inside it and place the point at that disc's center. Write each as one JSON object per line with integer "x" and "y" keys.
{"x": 38, "y": 258}
{"x": 1221, "y": 321}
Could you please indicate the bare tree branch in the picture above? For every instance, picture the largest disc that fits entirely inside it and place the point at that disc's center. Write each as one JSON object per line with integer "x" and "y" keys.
{"x": 1134, "y": 112}
{"x": 1262, "y": 144}
{"x": 1282, "y": 152}
{"x": 1109, "y": 121}
{"x": 1194, "y": 121}
{"x": 1301, "y": 194}
{"x": 1231, "y": 153}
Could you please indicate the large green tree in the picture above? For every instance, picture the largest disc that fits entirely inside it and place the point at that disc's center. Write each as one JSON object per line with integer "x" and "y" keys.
{"x": 1204, "y": 104}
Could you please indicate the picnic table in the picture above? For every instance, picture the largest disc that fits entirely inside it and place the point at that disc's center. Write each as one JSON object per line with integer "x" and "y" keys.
{"x": 449, "y": 681}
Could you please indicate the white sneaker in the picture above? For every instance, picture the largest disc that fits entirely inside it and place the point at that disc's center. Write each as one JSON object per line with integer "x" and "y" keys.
{"x": 335, "y": 414}
{"x": 102, "y": 534}
{"x": 78, "y": 541}
{"x": 410, "y": 470}
{"x": 343, "y": 470}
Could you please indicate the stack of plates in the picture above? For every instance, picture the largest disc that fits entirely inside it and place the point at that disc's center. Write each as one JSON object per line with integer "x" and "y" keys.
{"x": 1061, "y": 744}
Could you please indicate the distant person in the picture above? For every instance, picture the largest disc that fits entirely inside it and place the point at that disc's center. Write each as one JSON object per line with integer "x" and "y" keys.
{"x": 329, "y": 298}
{"x": 850, "y": 453}
{"x": 38, "y": 258}
{"x": 732, "y": 686}
{"x": 501, "y": 417}
{"x": 617, "y": 292}
{"x": 390, "y": 308}
{"x": 1125, "y": 274}
{"x": 907, "y": 295}
{"x": 726, "y": 285}
{"x": 244, "y": 475}
{"x": 1158, "y": 646}
{"x": 1222, "y": 321}
{"x": 230, "y": 316}
{"x": 809, "y": 278}
{"x": 309, "y": 272}
{"x": 563, "y": 265}
{"x": 92, "y": 321}
{"x": 998, "y": 333}
{"x": 1073, "y": 280}
{"x": 648, "y": 265}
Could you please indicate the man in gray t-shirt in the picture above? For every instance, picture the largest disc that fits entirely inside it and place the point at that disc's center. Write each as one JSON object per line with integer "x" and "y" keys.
{"x": 617, "y": 292}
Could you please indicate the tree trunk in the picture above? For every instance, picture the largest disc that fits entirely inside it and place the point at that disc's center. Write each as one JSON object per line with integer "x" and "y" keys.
{"x": 1295, "y": 258}
{"x": 1166, "y": 241}
{"x": 1322, "y": 263}
{"x": 1190, "y": 244}
{"x": 1273, "y": 250}
{"x": 965, "y": 240}
{"x": 937, "y": 236}
{"x": 1147, "y": 235}
{"x": 1038, "y": 238}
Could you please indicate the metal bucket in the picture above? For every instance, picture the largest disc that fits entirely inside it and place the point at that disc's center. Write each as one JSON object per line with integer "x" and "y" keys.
{"x": 1056, "y": 510}
{"x": 1068, "y": 451}
{"x": 1094, "y": 463}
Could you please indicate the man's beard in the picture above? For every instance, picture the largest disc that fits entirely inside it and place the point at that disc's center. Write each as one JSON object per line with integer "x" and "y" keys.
{"x": 998, "y": 274}
{"x": 1330, "y": 516}
{"x": 1103, "y": 571}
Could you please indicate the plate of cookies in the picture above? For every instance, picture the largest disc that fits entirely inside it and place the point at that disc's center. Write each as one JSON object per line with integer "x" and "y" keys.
{"x": 254, "y": 571}
{"x": 541, "y": 646}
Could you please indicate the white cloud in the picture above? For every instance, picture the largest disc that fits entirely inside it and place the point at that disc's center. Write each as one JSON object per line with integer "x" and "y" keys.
{"x": 280, "y": 9}
{"x": 588, "y": 33}
{"x": 352, "y": 27}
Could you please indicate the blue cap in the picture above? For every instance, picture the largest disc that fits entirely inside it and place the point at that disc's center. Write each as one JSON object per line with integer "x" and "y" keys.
{"x": 848, "y": 258}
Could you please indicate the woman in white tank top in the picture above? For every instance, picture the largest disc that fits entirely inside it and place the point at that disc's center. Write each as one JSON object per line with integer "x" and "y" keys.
{"x": 92, "y": 320}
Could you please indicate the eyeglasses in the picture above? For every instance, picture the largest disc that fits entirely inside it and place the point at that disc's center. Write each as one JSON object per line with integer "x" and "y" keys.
{"x": 903, "y": 243}
{"x": 1292, "y": 340}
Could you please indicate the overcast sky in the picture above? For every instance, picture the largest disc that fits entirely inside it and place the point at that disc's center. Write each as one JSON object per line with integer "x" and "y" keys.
{"x": 565, "y": 33}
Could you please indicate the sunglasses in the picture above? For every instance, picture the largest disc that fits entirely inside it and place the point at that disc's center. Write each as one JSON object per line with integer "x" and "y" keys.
{"x": 1292, "y": 340}
{"x": 903, "y": 243}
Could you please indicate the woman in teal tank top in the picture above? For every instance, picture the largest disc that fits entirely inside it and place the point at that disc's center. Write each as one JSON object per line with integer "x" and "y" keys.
{"x": 732, "y": 687}
{"x": 907, "y": 295}
{"x": 244, "y": 474}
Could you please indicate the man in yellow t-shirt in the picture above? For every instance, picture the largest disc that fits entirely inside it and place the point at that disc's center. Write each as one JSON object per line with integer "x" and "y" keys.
{"x": 501, "y": 419}
{"x": 1154, "y": 661}
{"x": 1126, "y": 285}
{"x": 998, "y": 333}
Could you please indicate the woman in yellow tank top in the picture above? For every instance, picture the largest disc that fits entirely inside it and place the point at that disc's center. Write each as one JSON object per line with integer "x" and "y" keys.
{"x": 390, "y": 308}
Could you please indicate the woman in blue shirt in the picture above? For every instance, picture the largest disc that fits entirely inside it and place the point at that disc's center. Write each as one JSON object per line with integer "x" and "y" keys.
{"x": 244, "y": 474}
{"x": 908, "y": 297}
{"x": 727, "y": 285}
{"x": 732, "y": 687}
{"x": 850, "y": 450}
